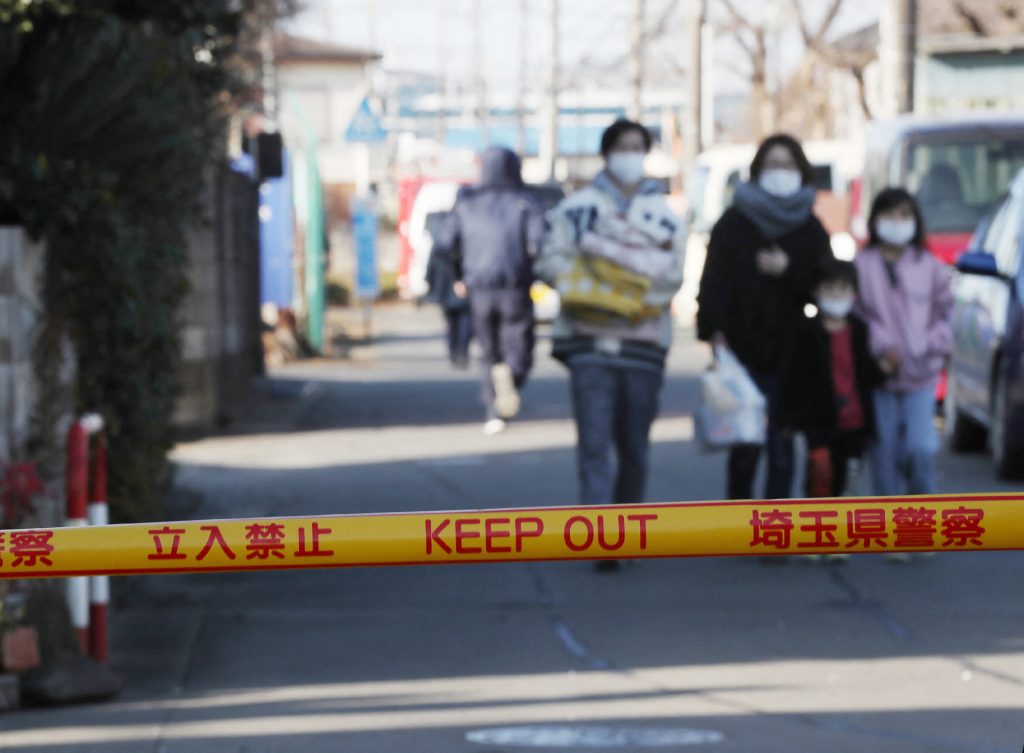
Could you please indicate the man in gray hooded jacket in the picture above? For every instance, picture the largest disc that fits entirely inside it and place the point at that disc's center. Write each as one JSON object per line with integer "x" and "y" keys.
{"x": 493, "y": 233}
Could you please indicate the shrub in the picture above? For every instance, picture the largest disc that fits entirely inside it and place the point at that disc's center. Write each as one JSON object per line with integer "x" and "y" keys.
{"x": 109, "y": 112}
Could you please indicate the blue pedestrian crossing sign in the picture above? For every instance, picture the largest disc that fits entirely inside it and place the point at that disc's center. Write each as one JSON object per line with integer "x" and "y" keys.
{"x": 365, "y": 127}
{"x": 364, "y": 232}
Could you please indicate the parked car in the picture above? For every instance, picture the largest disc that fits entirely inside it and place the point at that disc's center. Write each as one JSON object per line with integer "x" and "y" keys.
{"x": 985, "y": 398}
{"x": 432, "y": 201}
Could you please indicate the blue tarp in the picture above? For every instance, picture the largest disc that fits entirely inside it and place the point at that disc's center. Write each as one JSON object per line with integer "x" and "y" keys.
{"x": 277, "y": 239}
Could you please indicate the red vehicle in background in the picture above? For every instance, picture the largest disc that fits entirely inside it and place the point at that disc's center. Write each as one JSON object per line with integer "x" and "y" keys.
{"x": 957, "y": 167}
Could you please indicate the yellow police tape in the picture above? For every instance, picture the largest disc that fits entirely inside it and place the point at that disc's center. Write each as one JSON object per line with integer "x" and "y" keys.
{"x": 698, "y": 529}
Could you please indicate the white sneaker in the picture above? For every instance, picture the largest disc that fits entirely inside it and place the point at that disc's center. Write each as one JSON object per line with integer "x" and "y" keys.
{"x": 506, "y": 397}
{"x": 494, "y": 426}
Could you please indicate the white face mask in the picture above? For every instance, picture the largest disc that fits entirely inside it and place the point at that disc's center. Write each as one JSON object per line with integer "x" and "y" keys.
{"x": 781, "y": 181}
{"x": 896, "y": 232}
{"x": 626, "y": 167}
{"x": 835, "y": 307}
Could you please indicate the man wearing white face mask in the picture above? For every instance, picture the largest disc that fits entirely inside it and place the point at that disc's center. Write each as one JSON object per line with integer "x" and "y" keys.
{"x": 614, "y": 251}
{"x": 759, "y": 275}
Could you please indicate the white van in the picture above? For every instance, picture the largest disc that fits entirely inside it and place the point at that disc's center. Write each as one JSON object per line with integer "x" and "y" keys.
{"x": 432, "y": 201}
{"x": 713, "y": 181}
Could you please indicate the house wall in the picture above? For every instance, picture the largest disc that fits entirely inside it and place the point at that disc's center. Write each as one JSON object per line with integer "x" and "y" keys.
{"x": 322, "y": 98}
{"x": 970, "y": 81}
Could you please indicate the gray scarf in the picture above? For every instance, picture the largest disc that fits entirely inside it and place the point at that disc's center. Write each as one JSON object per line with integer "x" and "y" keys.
{"x": 774, "y": 215}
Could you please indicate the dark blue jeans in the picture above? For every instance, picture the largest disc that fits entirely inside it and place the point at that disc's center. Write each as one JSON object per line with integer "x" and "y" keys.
{"x": 614, "y": 408}
{"x": 503, "y": 326}
{"x": 781, "y": 456}
{"x": 460, "y": 332}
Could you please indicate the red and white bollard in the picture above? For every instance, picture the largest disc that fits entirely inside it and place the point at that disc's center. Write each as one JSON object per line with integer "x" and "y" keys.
{"x": 77, "y": 497}
{"x": 99, "y": 585}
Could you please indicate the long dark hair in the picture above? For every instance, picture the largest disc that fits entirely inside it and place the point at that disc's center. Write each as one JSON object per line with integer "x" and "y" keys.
{"x": 890, "y": 198}
{"x": 794, "y": 148}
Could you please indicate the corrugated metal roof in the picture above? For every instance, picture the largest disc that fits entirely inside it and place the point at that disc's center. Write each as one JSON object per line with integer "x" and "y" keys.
{"x": 291, "y": 48}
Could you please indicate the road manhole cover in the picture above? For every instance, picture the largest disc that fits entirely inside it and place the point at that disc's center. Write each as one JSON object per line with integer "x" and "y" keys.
{"x": 575, "y": 736}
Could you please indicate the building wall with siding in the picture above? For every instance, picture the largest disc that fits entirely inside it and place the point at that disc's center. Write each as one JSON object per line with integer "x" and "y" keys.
{"x": 970, "y": 81}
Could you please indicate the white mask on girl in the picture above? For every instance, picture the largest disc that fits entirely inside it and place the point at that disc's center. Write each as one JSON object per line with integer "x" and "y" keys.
{"x": 781, "y": 181}
{"x": 896, "y": 232}
{"x": 626, "y": 167}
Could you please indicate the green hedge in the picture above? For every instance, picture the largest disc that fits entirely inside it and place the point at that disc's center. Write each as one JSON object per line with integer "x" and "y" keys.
{"x": 109, "y": 111}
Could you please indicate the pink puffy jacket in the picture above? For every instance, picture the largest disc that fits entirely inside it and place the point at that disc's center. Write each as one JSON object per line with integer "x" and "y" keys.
{"x": 907, "y": 308}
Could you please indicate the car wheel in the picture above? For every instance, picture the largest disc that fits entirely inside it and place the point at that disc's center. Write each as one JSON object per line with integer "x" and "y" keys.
{"x": 1007, "y": 457}
{"x": 963, "y": 433}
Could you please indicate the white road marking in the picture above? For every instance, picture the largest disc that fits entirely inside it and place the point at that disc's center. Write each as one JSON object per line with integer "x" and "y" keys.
{"x": 579, "y": 736}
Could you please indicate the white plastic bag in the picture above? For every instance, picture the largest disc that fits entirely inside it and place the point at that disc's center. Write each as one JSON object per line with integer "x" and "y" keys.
{"x": 732, "y": 409}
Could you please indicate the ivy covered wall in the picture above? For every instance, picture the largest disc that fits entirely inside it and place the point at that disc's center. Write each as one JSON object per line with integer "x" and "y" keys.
{"x": 109, "y": 112}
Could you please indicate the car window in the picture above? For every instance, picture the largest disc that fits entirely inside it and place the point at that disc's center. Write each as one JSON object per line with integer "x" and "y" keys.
{"x": 734, "y": 179}
{"x": 1006, "y": 245}
{"x": 956, "y": 179}
{"x": 995, "y": 228}
{"x": 980, "y": 234}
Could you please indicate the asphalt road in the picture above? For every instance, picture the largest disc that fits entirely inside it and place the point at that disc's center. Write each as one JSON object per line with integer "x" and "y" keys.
{"x": 719, "y": 655}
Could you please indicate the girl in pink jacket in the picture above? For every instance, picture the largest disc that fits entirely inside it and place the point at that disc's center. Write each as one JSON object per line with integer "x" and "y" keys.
{"x": 906, "y": 299}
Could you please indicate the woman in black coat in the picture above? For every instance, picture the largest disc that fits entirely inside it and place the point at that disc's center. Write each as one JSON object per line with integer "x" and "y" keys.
{"x": 759, "y": 274}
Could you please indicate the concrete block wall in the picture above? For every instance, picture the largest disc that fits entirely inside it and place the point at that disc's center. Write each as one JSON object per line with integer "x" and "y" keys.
{"x": 21, "y": 267}
{"x": 221, "y": 344}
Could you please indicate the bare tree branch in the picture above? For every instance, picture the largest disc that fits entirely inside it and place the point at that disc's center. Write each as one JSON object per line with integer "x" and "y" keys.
{"x": 661, "y": 26}
{"x": 862, "y": 91}
{"x": 735, "y": 68}
{"x": 738, "y": 28}
{"x": 801, "y": 21}
{"x": 737, "y": 18}
{"x": 816, "y": 39}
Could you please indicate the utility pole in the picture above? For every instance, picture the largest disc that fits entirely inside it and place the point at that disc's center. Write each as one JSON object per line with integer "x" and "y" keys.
{"x": 442, "y": 71}
{"x": 524, "y": 11}
{"x": 897, "y": 52}
{"x": 693, "y": 124}
{"x": 326, "y": 27}
{"x": 479, "y": 77}
{"x": 371, "y": 24}
{"x": 636, "y": 59}
{"x": 549, "y": 135}
{"x": 904, "y": 52}
{"x": 268, "y": 74}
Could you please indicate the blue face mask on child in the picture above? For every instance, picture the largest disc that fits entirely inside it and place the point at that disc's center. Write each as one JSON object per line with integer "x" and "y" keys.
{"x": 837, "y": 307}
